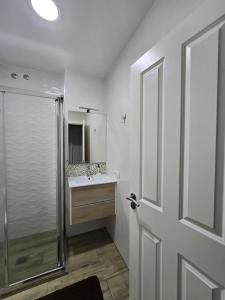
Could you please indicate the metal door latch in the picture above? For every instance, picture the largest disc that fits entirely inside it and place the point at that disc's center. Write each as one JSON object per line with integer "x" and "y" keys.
{"x": 133, "y": 199}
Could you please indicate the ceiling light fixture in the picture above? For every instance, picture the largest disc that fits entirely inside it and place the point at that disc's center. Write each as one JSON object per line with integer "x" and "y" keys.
{"x": 46, "y": 9}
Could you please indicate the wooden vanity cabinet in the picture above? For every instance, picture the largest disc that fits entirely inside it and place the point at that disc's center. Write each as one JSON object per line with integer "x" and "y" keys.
{"x": 89, "y": 203}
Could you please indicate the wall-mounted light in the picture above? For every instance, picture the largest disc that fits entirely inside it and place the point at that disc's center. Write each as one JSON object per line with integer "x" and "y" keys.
{"x": 88, "y": 109}
{"x": 46, "y": 9}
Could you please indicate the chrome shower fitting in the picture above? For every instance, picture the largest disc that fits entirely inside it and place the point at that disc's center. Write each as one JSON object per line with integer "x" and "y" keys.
{"x": 14, "y": 75}
{"x": 26, "y": 77}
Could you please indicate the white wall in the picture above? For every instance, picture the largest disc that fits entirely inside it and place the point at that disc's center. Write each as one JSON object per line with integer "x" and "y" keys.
{"x": 162, "y": 18}
{"x": 82, "y": 90}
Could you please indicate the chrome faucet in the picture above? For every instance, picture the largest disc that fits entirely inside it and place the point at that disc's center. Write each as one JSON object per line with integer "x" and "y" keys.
{"x": 88, "y": 171}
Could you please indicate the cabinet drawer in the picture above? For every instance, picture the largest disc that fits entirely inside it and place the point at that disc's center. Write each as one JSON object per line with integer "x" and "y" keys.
{"x": 92, "y": 194}
{"x": 91, "y": 212}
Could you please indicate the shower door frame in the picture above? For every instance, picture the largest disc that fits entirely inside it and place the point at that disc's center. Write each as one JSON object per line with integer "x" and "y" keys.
{"x": 60, "y": 201}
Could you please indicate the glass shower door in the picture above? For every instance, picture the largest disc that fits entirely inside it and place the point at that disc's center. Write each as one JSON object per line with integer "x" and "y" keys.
{"x": 31, "y": 182}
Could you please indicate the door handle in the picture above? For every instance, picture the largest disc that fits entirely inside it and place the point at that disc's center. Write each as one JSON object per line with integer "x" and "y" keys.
{"x": 133, "y": 199}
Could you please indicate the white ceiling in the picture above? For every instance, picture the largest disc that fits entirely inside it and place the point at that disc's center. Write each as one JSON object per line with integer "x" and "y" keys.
{"x": 88, "y": 37}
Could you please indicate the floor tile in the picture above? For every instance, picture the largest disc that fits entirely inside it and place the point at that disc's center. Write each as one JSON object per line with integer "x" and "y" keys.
{"x": 119, "y": 286}
{"x": 92, "y": 253}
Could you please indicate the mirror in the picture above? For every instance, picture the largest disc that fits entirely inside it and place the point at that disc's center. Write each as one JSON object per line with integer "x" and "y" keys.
{"x": 86, "y": 137}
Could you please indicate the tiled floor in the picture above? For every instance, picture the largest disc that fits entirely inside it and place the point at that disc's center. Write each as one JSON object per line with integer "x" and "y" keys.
{"x": 32, "y": 255}
{"x": 91, "y": 253}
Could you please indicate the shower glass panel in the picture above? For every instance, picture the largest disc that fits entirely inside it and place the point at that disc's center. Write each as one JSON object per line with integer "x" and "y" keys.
{"x": 30, "y": 139}
{"x": 2, "y": 260}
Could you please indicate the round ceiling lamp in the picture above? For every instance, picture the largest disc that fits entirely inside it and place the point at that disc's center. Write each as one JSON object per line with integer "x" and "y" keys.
{"x": 46, "y": 9}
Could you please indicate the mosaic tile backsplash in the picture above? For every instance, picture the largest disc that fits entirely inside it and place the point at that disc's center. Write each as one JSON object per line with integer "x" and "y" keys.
{"x": 80, "y": 169}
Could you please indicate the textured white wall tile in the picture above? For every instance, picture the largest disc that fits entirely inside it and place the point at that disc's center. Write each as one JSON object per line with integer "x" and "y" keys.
{"x": 31, "y": 160}
{"x": 42, "y": 82}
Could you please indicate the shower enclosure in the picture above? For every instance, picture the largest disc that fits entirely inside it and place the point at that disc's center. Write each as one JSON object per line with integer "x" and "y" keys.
{"x": 31, "y": 188}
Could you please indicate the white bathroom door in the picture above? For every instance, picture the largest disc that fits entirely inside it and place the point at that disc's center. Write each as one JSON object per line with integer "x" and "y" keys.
{"x": 177, "y": 234}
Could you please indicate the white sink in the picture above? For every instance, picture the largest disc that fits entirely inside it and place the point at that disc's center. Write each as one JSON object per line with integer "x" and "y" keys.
{"x": 92, "y": 180}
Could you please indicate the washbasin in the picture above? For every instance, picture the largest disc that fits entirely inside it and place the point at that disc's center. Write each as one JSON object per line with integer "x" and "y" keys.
{"x": 90, "y": 180}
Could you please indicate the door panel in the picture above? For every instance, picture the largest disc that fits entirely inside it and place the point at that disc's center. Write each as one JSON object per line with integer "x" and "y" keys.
{"x": 195, "y": 285}
{"x": 177, "y": 246}
{"x": 151, "y": 133}
{"x": 202, "y": 156}
{"x": 150, "y": 266}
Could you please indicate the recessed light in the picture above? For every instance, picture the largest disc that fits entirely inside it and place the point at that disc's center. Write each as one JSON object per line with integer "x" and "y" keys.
{"x": 46, "y": 9}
